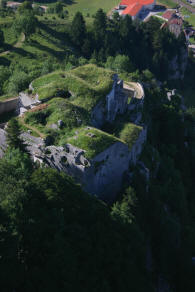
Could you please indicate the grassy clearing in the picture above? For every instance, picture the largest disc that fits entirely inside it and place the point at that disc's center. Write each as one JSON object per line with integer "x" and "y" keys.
{"x": 190, "y": 16}
{"x": 92, "y": 140}
{"x": 90, "y": 7}
{"x": 43, "y": 81}
{"x": 167, "y": 3}
{"x": 48, "y": 41}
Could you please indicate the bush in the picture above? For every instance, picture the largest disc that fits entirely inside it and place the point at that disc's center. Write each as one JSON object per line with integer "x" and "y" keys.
{"x": 18, "y": 82}
{"x": 25, "y": 23}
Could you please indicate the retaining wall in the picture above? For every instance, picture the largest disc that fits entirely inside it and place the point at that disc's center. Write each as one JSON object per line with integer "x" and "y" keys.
{"x": 8, "y": 105}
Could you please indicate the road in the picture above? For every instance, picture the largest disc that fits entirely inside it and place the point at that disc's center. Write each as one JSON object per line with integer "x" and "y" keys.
{"x": 190, "y": 8}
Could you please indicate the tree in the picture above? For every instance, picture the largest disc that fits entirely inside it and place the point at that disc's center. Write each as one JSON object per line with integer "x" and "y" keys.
{"x": 123, "y": 63}
{"x": 1, "y": 38}
{"x": 124, "y": 209}
{"x": 99, "y": 27}
{"x": 58, "y": 7}
{"x": 25, "y": 22}
{"x": 18, "y": 81}
{"x": 78, "y": 29}
{"x": 13, "y": 135}
{"x": 25, "y": 6}
{"x": 3, "y": 4}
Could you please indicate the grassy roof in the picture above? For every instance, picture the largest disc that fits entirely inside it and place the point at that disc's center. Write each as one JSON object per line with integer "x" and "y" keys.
{"x": 129, "y": 134}
{"x": 92, "y": 140}
{"x": 88, "y": 84}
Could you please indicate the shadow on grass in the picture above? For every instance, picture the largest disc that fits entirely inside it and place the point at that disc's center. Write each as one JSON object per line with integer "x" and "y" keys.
{"x": 62, "y": 36}
{"x": 56, "y": 54}
{"x": 4, "y": 61}
{"x": 19, "y": 51}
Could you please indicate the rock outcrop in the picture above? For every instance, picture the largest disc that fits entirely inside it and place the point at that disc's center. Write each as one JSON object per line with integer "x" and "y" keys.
{"x": 26, "y": 102}
{"x": 3, "y": 144}
{"x": 102, "y": 175}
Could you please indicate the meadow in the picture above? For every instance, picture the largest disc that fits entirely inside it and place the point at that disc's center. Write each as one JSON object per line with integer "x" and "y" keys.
{"x": 167, "y": 3}
{"x": 188, "y": 16}
{"x": 90, "y": 7}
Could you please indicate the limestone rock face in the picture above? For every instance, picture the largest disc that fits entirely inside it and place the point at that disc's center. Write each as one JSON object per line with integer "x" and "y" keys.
{"x": 101, "y": 176}
{"x": 104, "y": 177}
{"x": 3, "y": 144}
{"x": 98, "y": 116}
{"x": 137, "y": 147}
{"x": 26, "y": 101}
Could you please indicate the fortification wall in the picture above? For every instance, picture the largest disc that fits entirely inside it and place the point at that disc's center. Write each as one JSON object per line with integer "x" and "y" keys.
{"x": 8, "y": 105}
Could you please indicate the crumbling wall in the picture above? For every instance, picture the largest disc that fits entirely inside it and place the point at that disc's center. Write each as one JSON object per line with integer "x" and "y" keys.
{"x": 116, "y": 103}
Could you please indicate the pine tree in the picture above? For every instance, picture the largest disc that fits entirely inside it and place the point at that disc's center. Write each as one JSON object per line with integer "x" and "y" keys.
{"x": 78, "y": 29}
{"x": 99, "y": 28}
{"x": 13, "y": 135}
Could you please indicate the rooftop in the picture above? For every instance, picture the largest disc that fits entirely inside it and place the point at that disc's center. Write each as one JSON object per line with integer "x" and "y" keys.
{"x": 168, "y": 14}
{"x": 134, "y": 6}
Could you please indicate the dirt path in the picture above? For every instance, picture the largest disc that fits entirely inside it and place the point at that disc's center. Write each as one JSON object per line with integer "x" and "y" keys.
{"x": 17, "y": 45}
{"x": 32, "y": 128}
{"x": 20, "y": 41}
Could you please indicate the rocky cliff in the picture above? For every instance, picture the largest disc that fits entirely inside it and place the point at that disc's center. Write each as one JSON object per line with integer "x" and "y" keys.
{"x": 103, "y": 174}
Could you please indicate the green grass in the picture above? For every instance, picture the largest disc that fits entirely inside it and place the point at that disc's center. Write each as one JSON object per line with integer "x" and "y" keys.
{"x": 43, "y": 81}
{"x": 48, "y": 41}
{"x": 130, "y": 133}
{"x": 88, "y": 84}
{"x": 192, "y": 40}
{"x": 86, "y": 6}
{"x": 9, "y": 34}
{"x": 92, "y": 145}
{"x": 191, "y": 18}
{"x": 167, "y": 3}
{"x": 6, "y": 97}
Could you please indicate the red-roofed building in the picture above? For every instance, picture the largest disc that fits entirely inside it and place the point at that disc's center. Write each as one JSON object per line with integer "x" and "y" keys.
{"x": 168, "y": 14}
{"x": 134, "y": 8}
{"x": 174, "y": 24}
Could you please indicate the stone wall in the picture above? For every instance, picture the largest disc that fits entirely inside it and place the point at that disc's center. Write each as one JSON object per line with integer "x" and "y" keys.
{"x": 116, "y": 103}
{"x": 8, "y": 105}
